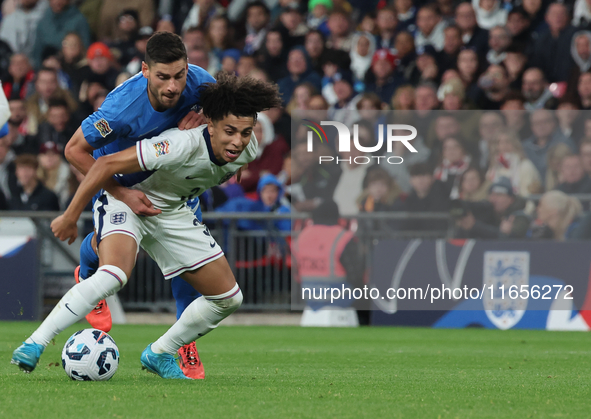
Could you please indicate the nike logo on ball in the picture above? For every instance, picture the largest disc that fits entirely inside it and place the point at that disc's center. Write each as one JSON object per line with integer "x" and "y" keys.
{"x": 71, "y": 309}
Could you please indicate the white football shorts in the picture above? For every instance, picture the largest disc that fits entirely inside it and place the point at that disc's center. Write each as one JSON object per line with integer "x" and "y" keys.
{"x": 176, "y": 240}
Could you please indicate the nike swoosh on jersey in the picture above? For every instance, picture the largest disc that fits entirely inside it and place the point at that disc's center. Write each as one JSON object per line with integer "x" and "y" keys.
{"x": 147, "y": 132}
{"x": 190, "y": 177}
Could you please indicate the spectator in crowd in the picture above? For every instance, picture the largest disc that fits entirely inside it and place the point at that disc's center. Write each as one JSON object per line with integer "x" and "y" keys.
{"x": 516, "y": 117}
{"x": 535, "y": 10}
{"x": 99, "y": 69}
{"x": 315, "y": 47}
{"x": 272, "y": 56}
{"x": 581, "y": 59}
{"x": 585, "y": 153}
{"x": 7, "y": 175}
{"x": 200, "y": 57}
{"x": 135, "y": 63}
{"x": 19, "y": 28}
{"x": 554, "y": 163}
{"x": 508, "y": 160}
{"x": 557, "y": 216}
{"x": 380, "y": 192}
{"x": 519, "y": 26}
{"x": 382, "y": 70}
{"x": 301, "y": 98}
{"x": 406, "y": 57}
{"x": 246, "y": 64}
{"x": 584, "y": 90}
{"x": 574, "y": 179}
{"x": 489, "y": 127}
{"x": 59, "y": 126}
{"x": 469, "y": 70}
{"x": 495, "y": 87}
{"x": 430, "y": 27}
{"x": 516, "y": 63}
{"x": 312, "y": 183}
{"x": 54, "y": 172}
{"x": 354, "y": 166}
{"x": 582, "y": 14}
{"x": 499, "y": 40}
{"x": 452, "y": 44}
{"x": 403, "y": 99}
{"x": 46, "y": 88}
{"x": 363, "y": 47}
{"x": 299, "y": 71}
{"x": 339, "y": 25}
{"x": 318, "y": 11}
{"x": 570, "y": 124}
{"x": 489, "y": 13}
{"x": 500, "y": 216}
{"x": 219, "y": 36}
{"x": 18, "y": 84}
{"x": 72, "y": 54}
{"x": 18, "y": 139}
{"x": 473, "y": 185}
{"x": 29, "y": 193}
{"x": 406, "y": 14}
{"x": 59, "y": 19}
{"x": 473, "y": 36}
{"x": 387, "y": 25}
{"x": 427, "y": 195}
{"x": 551, "y": 52}
{"x": 454, "y": 162}
{"x": 292, "y": 25}
{"x": 426, "y": 64}
{"x": 545, "y": 135}
{"x": 345, "y": 108}
{"x": 109, "y": 29}
{"x": 257, "y": 20}
{"x": 269, "y": 191}
{"x": 535, "y": 91}
{"x": 129, "y": 26}
{"x": 400, "y": 172}
{"x": 270, "y": 154}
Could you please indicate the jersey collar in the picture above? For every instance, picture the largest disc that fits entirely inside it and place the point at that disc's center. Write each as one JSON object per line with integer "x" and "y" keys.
{"x": 210, "y": 150}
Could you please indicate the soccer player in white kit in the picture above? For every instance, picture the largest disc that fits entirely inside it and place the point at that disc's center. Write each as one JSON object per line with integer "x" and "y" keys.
{"x": 183, "y": 165}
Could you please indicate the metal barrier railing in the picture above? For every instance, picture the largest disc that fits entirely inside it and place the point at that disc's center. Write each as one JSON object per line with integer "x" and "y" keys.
{"x": 260, "y": 259}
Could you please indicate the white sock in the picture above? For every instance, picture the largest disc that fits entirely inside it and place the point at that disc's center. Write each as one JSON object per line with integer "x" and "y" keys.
{"x": 199, "y": 318}
{"x": 78, "y": 302}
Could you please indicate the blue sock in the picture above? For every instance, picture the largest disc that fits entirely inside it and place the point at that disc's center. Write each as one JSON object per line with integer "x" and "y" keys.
{"x": 183, "y": 293}
{"x": 89, "y": 261}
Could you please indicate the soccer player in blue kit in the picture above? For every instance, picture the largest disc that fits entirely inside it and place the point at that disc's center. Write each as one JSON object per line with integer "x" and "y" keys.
{"x": 164, "y": 95}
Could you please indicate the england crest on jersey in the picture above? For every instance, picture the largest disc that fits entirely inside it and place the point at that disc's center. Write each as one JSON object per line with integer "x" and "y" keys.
{"x": 118, "y": 218}
{"x": 504, "y": 271}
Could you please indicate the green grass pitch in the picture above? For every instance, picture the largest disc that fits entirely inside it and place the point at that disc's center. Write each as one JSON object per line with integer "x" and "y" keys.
{"x": 291, "y": 372}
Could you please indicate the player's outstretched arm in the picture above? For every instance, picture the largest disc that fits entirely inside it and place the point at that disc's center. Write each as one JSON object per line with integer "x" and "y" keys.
{"x": 100, "y": 174}
{"x": 79, "y": 153}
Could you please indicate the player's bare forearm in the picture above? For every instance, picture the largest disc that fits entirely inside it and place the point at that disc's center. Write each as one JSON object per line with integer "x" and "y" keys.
{"x": 100, "y": 176}
{"x": 79, "y": 153}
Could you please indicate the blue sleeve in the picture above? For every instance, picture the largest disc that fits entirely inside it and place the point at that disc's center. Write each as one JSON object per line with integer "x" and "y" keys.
{"x": 107, "y": 124}
{"x": 198, "y": 76}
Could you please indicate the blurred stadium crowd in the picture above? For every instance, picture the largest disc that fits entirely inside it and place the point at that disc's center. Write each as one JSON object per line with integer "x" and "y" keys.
{"x": 519, "y": 70}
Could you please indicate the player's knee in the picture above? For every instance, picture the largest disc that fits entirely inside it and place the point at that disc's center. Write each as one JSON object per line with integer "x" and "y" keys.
{"x": 231, "y": 303}
{"x": 107, "y": 280}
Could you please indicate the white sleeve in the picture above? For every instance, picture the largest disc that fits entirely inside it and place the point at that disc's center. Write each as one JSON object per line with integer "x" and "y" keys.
{"x": 170, "y": 149}
{"x": 4, "y": 108}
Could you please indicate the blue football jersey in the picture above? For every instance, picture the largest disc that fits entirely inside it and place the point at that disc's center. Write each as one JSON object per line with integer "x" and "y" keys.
{"x": 127, "y": 115}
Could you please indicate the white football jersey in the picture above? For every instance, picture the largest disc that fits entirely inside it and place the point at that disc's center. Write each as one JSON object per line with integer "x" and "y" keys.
{"x": 183, "y": 166}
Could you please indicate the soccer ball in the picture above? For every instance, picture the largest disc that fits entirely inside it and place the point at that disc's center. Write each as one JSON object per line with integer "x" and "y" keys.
{"x": 90, "y": 355}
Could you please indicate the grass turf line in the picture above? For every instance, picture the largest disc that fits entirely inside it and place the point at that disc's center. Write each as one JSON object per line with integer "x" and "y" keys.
{"x": 291, "y": 372}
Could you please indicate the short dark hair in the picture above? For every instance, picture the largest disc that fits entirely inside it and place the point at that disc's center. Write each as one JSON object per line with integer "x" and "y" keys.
{"x": 26, "y": 160}
{"x": 57, "y": 103}
{"x": 258, "y": 3}
{"x": 420, "y": 169}
{"x": 241, "y": 97}
{"x": 165, "y": 48}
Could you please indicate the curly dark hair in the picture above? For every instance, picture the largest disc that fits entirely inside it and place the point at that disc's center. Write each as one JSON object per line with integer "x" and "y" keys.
{"x": 239, "y": 96}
